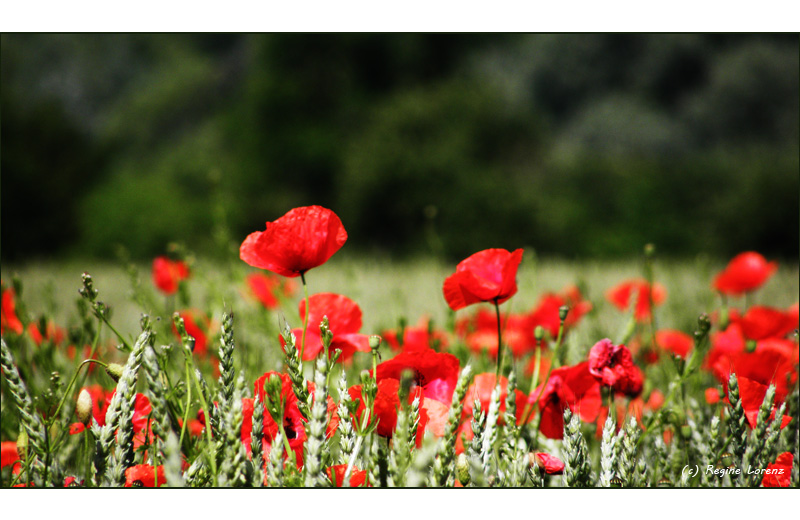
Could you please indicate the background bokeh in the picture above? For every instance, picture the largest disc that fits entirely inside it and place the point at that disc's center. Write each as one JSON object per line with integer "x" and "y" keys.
{"x": 575, "y": 145}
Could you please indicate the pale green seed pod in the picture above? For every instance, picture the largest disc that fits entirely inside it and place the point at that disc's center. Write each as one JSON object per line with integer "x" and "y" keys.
{"x": 374, "y": 342}
{"x": 114, "y": 371}
{"x": 83, "y": 407}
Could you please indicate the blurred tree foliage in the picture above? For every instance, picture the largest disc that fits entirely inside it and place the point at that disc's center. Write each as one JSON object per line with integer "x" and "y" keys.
{"x": 444, "y": 144}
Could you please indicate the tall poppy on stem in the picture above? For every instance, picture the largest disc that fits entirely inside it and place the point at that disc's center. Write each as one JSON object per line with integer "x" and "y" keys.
{"x": 621, "y": 294}
{"x": 487, "y": 276}
{"x": 167, "y": 274}
{"x": 744, "y": 273}
{"x": 302, "y": 239}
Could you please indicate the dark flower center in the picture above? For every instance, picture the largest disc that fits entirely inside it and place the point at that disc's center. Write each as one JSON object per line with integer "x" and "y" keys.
{"x": 290, "y": 431}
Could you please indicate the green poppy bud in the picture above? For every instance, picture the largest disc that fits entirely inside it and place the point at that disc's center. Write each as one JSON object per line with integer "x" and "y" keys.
{"x": 83, "y": 407}
{"x": 538, "y": 333}
{"x": 726, "y": 460}
{"x": 374, "y": 342}
{"x": 114, "y": 371}
{"x": 562, "y": 312}
{"x": 704, "y": 323}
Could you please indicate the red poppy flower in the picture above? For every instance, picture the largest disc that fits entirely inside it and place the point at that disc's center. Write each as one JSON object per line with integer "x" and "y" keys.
{"x": 572, "y": 386}
{"x": 195, "y": 427}
{"x": 387, "y": 402}
{"x": 435, "y": 372}
{"x": 358, "y": 477}
{"x": 481, "y": 390}
{"x": 267, "y": 288}
{"x": 8, "y": 453}
{"x": 761, "y": 322}
{"x": 772, "y": 362}
{"x": 293, "y": 420}
{"x": 480, "y": 332}
{"x": 546, "y": 313}
{"x": 141, "y": 409}
{"x": 550, "y": 464}
{"x": 675, "y": 341}
{"x": 436, "y": 414}
{"x": 72, "y": 482}
{"x": 302, "y": 239}
{"x": 712, "y": 396}
{"x": 198, "y": 326}
{"x": 779, "y": 473}
{"x": 636, "y": 408}
{"x": 144, "y": 475}
{"x": 725, "y": 343}
{"x": 464, "y": 436}
{"x": 621, "y": 295}
{"x": 612, "y": 365}
{"x": 344, "y": 319}
{"x": 752, "y": 395}
{"x": 52, "y": 334}
{"x": 8, "y": 313}
{"x": 793, "y": 314}
{"x": 167, "y": 274}
{"x": 486, "y": 276}
{"x": 420, "y": 336}
{"x": 746, "y": 272}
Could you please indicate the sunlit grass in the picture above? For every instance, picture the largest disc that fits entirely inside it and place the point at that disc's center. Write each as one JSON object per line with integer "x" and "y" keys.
{"x": 387, "y": 290}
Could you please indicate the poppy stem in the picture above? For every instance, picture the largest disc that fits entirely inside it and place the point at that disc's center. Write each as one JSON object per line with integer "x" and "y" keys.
{"x": 54, "y": 417}
{"x": 648, "y": 271}
{"x": 188, "y": 404}
{"x": 305, "y": 316}
{"x": 562, "y": 316}
{"x": 206, "y": 410}
{"x": 499, "y": 342}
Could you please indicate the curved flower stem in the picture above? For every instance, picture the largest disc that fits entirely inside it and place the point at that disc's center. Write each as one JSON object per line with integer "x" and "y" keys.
{"x": 648, "y": 271}
{"x": 206, "y": 411}
{"x": 72, "y": 382}
{"x": 499, "y": 342}
{"x": 305, "y": 317}
{"x": 188, "y": 405}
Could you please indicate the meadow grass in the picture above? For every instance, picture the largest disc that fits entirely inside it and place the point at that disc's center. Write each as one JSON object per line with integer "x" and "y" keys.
{"x": 388, "y": 290}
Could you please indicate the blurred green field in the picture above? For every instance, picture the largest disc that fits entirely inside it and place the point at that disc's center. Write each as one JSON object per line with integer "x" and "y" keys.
{"x": 387, "y": 291}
